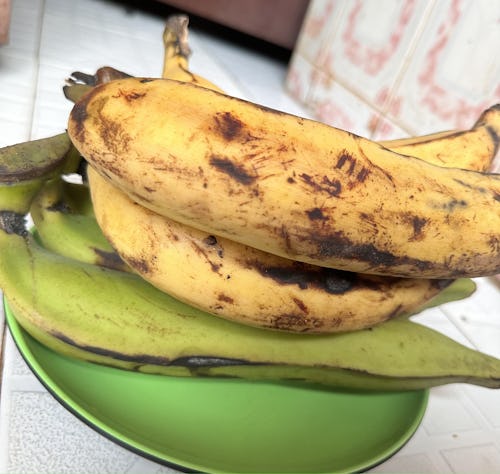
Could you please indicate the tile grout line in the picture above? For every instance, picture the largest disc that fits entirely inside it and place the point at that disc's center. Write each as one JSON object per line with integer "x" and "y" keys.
{"x": 36, "y": 77}
{"x": 404, "y": 68}
{"x": 383, "y": 109}
{"x": 459, "y": 328}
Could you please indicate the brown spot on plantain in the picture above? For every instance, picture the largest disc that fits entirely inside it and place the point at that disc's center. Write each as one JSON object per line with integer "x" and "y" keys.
{"x": 205, "y": 253}
{"x": 232, "y": 128}
{"x": 228, "y": 125}
{"x": 298, "y": 323}
{"x": 225, "y": 298}
{"x": 301, "y": 305}
{"x": 234, "y": 170}
{"x": 79, "y": 114}
{"x": 129, "y": 96}
{"x": 114, "y": 135}
{"x": 346, "y": 158}
{"x": 395, "y": 312}
{"x": 141, "y": 265}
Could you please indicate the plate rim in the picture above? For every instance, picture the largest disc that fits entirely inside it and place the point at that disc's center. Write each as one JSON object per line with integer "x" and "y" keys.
{"x": 19, "y": 334}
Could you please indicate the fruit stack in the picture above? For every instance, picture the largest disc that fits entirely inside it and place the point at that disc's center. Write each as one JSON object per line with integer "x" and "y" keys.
{"x": 211, "y": 236}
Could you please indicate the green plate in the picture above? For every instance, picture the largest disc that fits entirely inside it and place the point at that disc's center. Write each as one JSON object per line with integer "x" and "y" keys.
{"x": 228, "y": 425}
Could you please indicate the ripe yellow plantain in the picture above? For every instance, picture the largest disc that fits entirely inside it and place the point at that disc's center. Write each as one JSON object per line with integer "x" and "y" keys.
{"x": 287, "y": 185}
{"x": 472, "y": 149}
{"x": 244, "y": 284}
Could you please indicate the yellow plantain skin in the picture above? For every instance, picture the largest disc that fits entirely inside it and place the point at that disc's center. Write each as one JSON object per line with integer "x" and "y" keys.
{"x": 177, "y": 52}
{"x": 287, "y": 185}
{"x": 469, "y": 149}
{"x": 402, "y": 142}
{"x": 243, "y": 284}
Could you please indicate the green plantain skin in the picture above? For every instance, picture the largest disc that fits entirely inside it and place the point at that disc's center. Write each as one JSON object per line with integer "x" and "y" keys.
{"x": 63, "y": 216}
{"x": 24, "y": 167}
{"x": 116, "y": 318}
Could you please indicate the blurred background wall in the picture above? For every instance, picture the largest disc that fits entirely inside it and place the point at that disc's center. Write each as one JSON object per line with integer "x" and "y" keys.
{"x": 390, "y": 68}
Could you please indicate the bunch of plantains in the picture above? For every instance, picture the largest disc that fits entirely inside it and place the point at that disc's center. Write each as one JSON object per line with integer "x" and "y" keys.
{"x": 210, "y": 236}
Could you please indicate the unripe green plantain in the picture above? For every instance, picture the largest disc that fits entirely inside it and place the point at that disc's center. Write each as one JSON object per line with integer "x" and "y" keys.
{"x": 24, "y": 167}
{"x": 64, "y": 219}
{"x": 286, "y": 185}
{"x": 116, "y": 318}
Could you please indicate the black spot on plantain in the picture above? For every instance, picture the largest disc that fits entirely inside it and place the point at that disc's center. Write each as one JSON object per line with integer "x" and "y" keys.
{"x": 418, "y": 224}
{"x": 346, "y": 158}
{"x": 109, "y": 259}
{"x": 59, "y": 206}
{"x": 138, "y": 358}
{"x": 338, "y": 246}
{"x": 212, "y": 242}
{"x": 453, "y": 204}
{"x": 308, "y": 276}
{"x": 144, "y": 80}
{"x": 12, "y": 222}
{"x": 333, "y": 187}
{"x": 235, "y": 171}
{"x": 316, "y": 214}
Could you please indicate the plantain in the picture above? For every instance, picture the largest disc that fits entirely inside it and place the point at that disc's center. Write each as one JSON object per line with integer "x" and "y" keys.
{"x": 64, "y": 219}
{"x": 24, "y": 167}
{"x": 287, "y": 185}
{"x": 177, "y": 52}
{"x": 472, "y": 149}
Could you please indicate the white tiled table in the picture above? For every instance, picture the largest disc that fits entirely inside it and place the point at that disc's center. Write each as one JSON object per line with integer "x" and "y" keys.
{"x": 50, "y": 39}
